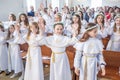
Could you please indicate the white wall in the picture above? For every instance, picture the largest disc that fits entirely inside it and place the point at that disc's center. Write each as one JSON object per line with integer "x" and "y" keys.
{"x": 8, "y": 6}
{"x": 111, "y": 3}
{"x": 38, "y": 2}
{"x": 88, "y": 2}
{"x": 69, "y": 3}
{"x": 81, "y": 2}
{"x": 61, "y": 4}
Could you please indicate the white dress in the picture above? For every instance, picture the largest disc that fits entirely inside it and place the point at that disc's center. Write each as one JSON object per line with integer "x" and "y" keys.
{"x": 69, "y": 31}
{"x": 23, "y": 30}
{"x": 8, "y": 23}
{"x": 34, "y": 65}
{"x": 3, "y": 52}
{"x": 114, "y": 42}
{"x": 49, "y": 22}
{"x": 59, "y": 64}
{"x": 101, "y": 34}
{"x": 84, "y": 23}
{"x": 15, "y": 60}
{"x": 36, "y": 19}
{"x": 88, "y": 57}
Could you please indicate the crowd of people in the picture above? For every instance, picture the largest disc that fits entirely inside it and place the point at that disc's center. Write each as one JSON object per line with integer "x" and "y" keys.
{"x": 79, "y": 26}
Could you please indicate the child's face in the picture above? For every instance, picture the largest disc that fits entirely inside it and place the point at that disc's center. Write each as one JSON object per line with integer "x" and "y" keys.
{"x": 58, "y": 29}
{"x": 33, "y": 28}
{"x": 112, "y": 14}
{"x": 93, "y": 33}
{"x": 36, "y": 13}
{"x": 11, "y": 29}
{"x": 10, "y": 17}
{"x": 75, "y": 19}
{"x": 22, "y": 17}
{"x": 56, "y": 18}
{"x": 80, "y": 14}
{"x": 100, "y": 19}
{"x": 41, "y": 20}
{"x": 117, "y": 21}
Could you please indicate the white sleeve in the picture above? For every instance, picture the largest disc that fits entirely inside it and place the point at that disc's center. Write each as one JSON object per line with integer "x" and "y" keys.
{"x": 78, "y": 55}
{"x": 110, "y": 30}
{"x": 100, "y": 55}
{"x": 18, "y": 39}
{"x": 71, "y": 41}
{"x": 101, "y": 60}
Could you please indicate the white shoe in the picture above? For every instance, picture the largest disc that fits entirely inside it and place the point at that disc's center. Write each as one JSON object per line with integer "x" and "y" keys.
{"x": 14, "y": 75}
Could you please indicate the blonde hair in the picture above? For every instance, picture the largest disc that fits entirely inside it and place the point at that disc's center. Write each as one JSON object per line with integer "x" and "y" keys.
{"x": 8, "y": 35}
{"x": 29, "y": 31}
{"x": 114, "y": 27}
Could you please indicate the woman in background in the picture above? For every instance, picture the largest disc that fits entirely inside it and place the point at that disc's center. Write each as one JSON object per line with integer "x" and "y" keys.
{"x": 114, "y": 42}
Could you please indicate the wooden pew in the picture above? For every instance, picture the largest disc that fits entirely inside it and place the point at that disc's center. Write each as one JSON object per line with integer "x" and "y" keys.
{"x": 46, "y": 52}
{"x": 23, "y": 48}
{"x": 105, "y": 41}
{"x": 112, "y": 59}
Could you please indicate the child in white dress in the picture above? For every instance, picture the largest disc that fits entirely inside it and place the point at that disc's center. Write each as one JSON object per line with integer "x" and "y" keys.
{"x": 89, "y": 55}
{"x": 3, "y": 51}
{"x": 15, "y": 60}
{"x": 83, "y": 21}
{"x": 59, "y": 64}
{"x": 102, "y": 29}
{"x": 42, "y": 26}
{"x": 114, "y": 42}
{"x": 76, "y": 26}
{"x": 34, "y": 66}
{"x": 24, "y": 24}
{"x": 11, "y": 21}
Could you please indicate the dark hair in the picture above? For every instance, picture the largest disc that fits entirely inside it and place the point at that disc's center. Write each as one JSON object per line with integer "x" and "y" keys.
{"x": 59, "y": 15}
{"x": 58, "y": 24}
{"x": 13, "y": 17}
{"x": 109, "y": 9}
{"x": 79, "y": 22}
{"x": 2, "y": 27}
{"x": 82, "y": 15}
{"x": 68, "y": 9}
{"x": 26, "y": 22}
{"x": 97, "y": 17}
{"x": 85, "y": 36}
{"x": 8, "y": 35}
